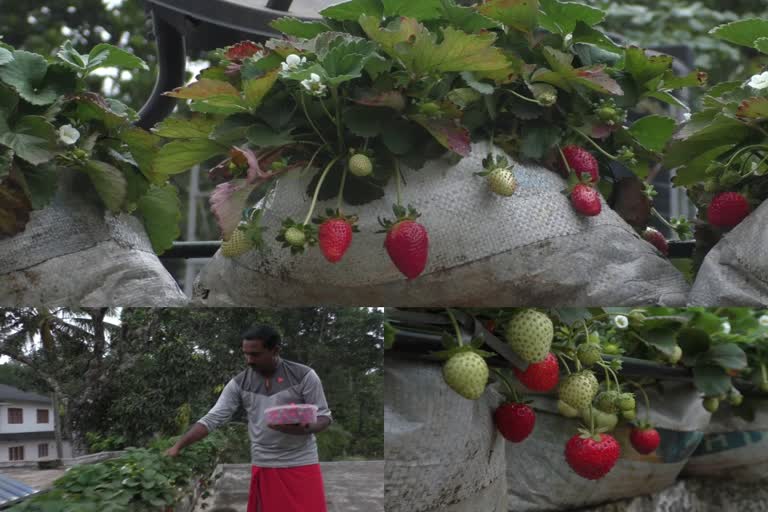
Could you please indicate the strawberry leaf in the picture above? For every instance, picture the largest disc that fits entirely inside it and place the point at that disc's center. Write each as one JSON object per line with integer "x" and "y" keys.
{"x": 762, "y": 44}
{"x": 179, "y": 156}
{"x": 695, "y": 170}
{"x": 653, "y": 132}
{"x": 195, "y": 127}
{"x": 392, "y": 99}
{"x": 5, "y": 56}
{"x": 32, "y": 139}
{"x": 644, "y": 68}
{"x": 160, "y": 210}
{"x": 753, "y": 108}
{"x": 35, "y": 80}
{"x": 448, "y": 133}
{"x": 711, "y": 380}
{"x": 421, "y": 10}
{"x": 597, "y": 79}
{"x": 466, "y": 18}
{"x": 40, "y": 184}
{"x": 257, "y": 88}
{"x": 521, "y": 15}
{"x": 742, "y": 32}
{"x": 353, "y": 9}
{"x": 143, "y": 146}
{"x": 727, "y": 355}
{"x": 298, "y": 28}
{"x": 204, "y": 88}
{"x": 562, "y": 17}
{"x": 109, "y": 183}
{"x": 105, "y": 55}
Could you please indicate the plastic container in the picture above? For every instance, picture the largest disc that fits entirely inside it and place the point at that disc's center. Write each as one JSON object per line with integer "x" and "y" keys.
{"x": 291, "y": 414}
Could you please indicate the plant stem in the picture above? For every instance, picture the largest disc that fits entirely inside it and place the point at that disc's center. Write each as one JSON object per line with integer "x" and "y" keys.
{"x": 565, "y": 161}
{"x": 397, "y": 183}
{"x": 341, "y": 189}
{"x": 506, "y": 383}
{"x": 595, "y": 144}
{"x": 646, "y": 400}
{"x": 330, "y": 116}
{"x": 311, "y": 123}
{"x": 661, "y": 218}
{"x": 456, "y": 329}
{"x": 317, "y": 189}
{"x": 340, "y": 135}
{"x": 565, "y": 363}
{"x": 526, "y": 98}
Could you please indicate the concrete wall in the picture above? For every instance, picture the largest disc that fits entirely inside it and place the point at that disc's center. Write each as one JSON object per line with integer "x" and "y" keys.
{"x": 30, "y": 423}
{"x": 30, "y": 449}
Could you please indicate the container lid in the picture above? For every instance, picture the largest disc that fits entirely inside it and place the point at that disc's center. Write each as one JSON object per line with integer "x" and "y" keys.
{"x": 291, "y": 406}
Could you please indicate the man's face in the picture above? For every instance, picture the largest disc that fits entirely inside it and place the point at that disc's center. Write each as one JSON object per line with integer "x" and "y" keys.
{"x": 259, "y": 357}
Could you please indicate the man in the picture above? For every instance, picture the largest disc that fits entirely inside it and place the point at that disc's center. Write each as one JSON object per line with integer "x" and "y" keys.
{"x": 285, "y": 473}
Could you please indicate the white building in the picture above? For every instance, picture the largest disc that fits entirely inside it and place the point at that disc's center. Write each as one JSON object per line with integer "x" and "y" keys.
{"x": 26, "y": 427}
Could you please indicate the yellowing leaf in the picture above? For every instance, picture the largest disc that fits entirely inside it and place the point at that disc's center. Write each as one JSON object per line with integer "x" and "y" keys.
{"x": 202, "y": 89}
{"x": 257, "y": 88}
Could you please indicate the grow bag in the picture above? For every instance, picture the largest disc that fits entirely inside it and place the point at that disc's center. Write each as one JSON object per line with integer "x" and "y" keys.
{"x": 733, "y": 448}
{"x": 735, "y": 271}
{"x": 72, "y": 252}
{"x": 531, "y": 248}
{"x": 442, "y": 451}
{"x": 540, "y": 479}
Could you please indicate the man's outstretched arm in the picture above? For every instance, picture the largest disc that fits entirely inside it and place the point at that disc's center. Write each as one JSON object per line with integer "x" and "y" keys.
{"x": 193, "y": 435}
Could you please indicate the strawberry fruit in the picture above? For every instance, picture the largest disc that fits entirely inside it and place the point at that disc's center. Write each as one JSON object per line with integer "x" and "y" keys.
{"x": 515, "y": 421}
{"x": 586, "y": 200}
{"x": 727, "y": 209}
{"x": 542, "y": 376}
{"x": 592, "y": 456}
{"x": 335, "y": 234}
{"x": 581, "y": 162}
{"x": 530, "y": 333}
{"x": 656, "y": 239}
{"x": 644, "y": 440}
{"x": 407, "y": 242}
{"x": 467, "y": 374}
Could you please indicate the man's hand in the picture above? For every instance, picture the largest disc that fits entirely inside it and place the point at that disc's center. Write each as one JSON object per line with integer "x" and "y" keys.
{"x": 173, "y": 451}
{"x": 298, "y": 429}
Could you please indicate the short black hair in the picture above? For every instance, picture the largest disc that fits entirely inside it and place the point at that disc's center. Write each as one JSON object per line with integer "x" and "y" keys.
{"x": 267, "y": 334}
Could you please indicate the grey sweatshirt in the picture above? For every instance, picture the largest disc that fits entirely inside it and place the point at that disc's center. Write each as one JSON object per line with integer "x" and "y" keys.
{"x": 292, "y": 383}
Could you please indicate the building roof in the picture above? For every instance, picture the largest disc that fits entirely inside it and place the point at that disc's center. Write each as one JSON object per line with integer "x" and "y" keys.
{"x": 12, "y": 394}
{"x": 11, "y": 490}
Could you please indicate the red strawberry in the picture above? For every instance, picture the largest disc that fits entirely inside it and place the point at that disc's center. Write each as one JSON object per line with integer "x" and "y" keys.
{"x": 334, "y": 236}
{"x": 644, "y": 440}
{"x": 514, "y": 421}
{"x": 727, "y": 209}
{"x": 407, "y": 242}
{"x": 542, "y": 376}
{"x": 657, "y": 240}
{"x": 581, "y": 161}
{"x": 586, "y": 200}
{"x": 592, "y": 457}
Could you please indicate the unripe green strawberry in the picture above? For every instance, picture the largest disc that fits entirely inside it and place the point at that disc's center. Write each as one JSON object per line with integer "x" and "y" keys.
{"x": 578, "y": 389}
{"x": 502, "y": 181}
{"x": 636, "y": 317}
{"x": 607, "y": 401}
{"x": 735, "y": 398}
{"x": 602, "y": 420}
{"x": 467, "y": 374}
{"x": 626, "y": 402}
{"x": 237, "y": 244}
{"x": 612, "y": 349}
{"x": 360, "y": 165}
{"x": 589, "y": 354}
{"x": 530, "y": 334}
{"x": 567, "y": 410}
{"x": 677, "y": 353}
{"x": 295, "y": 237}
{"x": 629, "y": 415}
{"x": 711, "y": 403}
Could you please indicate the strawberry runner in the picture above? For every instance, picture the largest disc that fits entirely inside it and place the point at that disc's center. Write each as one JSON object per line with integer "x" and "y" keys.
{"x": 296, "y": 489}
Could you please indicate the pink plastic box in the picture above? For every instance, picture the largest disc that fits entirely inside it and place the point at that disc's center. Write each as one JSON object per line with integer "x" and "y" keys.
{"x": 291, "y": 414}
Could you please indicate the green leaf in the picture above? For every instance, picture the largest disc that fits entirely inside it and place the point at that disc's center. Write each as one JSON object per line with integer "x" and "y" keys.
{"x": 583, "y": 33}
{"x": 661, "y": 339}
{"x": 195, "y": 127}
{"x": 597, "y": 79}
{"x": 345, "y": 59}
{"x": 562, "y": 17}
{"x": 727, "y": 355}
{"x": 762, "y": 44}
{"x": 298, "y": 28}
{"x": 143, "y": 146}
{"x": 753, "y": 108}
{"x": 653, "y": 132}
{"x": 742, "y": 32}
{"x": 231, "y": 131}
{"x": 466, "y": 18}
{"x": 667, "y": 98}
{"x": 398, "y": 136}
{"x": 256, "y": 89}
{"x": 203, "y": 89}
{"x": 5, "y": 56}
{"x": 92, "y": 107}
{"x": 692, "y": 79}
{"x": 263, "y": 136}
{"x": 694, "y": 171}
{"x": 105, "y": 55}
{"x": 644, "y": 68}
{"x": 40, "y": 184}
{"x": 179, "y": 156}
{"x": 719, "y": 131}
{"x": 353, "y": 9}
{"x": 521, "y": 15}
{"x": 693, "y": 342}
{"x": 711, "y": 380}
{"x": 538, "y": 139}
{"x": 366, "y": 121}
{"x": 109, "y": 183}
{"x": 68, "y": 54}
{"x": 160, "y": 210}
{"x": 420, "y": 10}
{"x": 389, "y": 335}
{"x": 28, "y": 73}
{"x": 33, "y": 139}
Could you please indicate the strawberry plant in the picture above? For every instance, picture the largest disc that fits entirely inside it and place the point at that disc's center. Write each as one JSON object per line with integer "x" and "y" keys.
{"x": 49, "y": 121}
{"x": 372, "y": 90}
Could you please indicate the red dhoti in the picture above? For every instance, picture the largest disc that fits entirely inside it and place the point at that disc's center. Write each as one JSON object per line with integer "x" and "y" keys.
{"x": 298, "y": 489}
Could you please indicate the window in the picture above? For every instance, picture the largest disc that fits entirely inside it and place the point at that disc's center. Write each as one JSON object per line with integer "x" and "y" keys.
{"x": 42, "y": 415}
{"x": 15, "y": 415}
{"x": 16, "y": 453}
{"x": 42, "y": 450}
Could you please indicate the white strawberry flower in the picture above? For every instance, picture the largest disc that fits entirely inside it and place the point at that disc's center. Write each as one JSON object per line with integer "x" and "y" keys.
{"x": 293, "y": 62}
{"x": 621, "y": 321}
{"x": 68, "y": 134}
{"x": 759, "y": 81}
{"x": 763, "y": 320}
{"x": 314, "y": 85}
{"x": 727, "y": 327}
